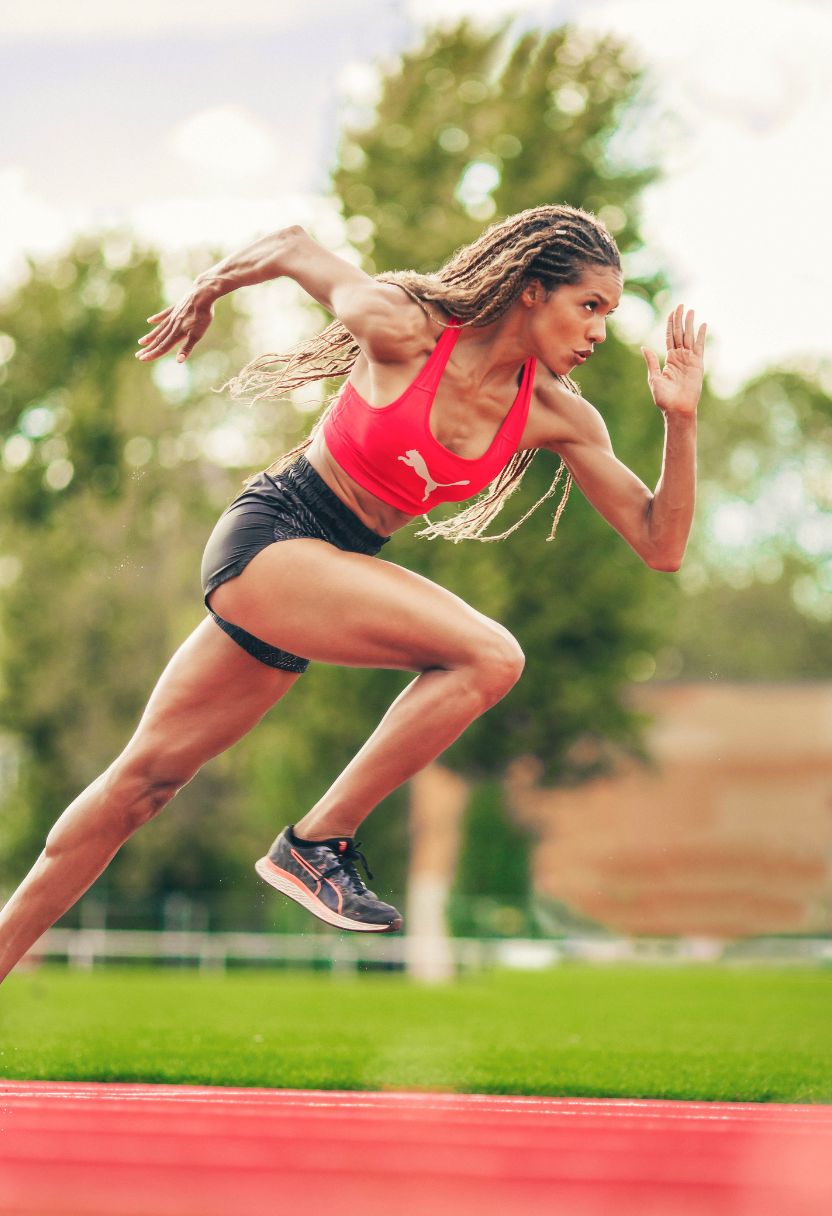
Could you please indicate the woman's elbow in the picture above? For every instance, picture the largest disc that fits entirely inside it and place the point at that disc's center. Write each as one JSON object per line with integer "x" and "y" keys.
{"x": 288, "y": 240}
{"x": 292, "y": 232}
{"x": 668, "y": 563}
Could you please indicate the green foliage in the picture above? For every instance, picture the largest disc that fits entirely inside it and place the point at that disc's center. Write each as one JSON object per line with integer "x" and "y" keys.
{"x": 107, "y": 496}
{"x": 780, "y": 420}
{"x": 754, "y": 631}
{"x": 494, "y": 859}
{"x": 471, "y": 127}
{"x": 759, "y": 573}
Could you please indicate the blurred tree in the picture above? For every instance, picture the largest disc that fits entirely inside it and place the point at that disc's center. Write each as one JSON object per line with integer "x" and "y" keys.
{"x": 472, "y": 126}
{"x": 758, "y": 580}
{"x": 492, "y": 890}
{"x": 770, "y": 625}
{"x": 113, "y": 476}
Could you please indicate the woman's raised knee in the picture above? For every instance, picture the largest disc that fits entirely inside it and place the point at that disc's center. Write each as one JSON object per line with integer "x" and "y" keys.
{"x": 498, "y": 664}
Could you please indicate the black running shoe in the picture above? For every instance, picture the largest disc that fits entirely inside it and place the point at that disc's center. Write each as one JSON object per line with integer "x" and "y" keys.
{"x": 322, "y": 877}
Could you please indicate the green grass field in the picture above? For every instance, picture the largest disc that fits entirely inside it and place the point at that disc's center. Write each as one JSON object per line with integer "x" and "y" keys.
{"x": 728, "y": 1034}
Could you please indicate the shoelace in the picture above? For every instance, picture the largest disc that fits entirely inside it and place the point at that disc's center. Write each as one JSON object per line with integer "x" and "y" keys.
{"x": 345, "y": 864}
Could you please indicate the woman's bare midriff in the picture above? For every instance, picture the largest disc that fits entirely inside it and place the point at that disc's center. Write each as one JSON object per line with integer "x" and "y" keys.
{"x": 379, "y": 516}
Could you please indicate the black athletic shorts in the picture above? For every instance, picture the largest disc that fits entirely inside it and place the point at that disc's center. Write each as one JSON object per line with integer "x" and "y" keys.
{"x": 292, "y": 504}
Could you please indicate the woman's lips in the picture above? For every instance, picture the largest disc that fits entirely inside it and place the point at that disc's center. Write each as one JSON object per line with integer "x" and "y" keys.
{"x": 582, "y": 356}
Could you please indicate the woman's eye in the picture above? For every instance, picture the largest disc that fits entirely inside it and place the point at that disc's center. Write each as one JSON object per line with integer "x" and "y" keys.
{"x": 591, "y": 304}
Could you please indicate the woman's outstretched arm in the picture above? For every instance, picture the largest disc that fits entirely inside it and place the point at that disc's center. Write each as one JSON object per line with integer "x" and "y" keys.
{"x": 381, "y": 318}
{"x": 657, "y": 524}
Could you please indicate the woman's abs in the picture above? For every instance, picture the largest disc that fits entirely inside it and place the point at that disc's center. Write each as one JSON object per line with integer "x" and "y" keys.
{"x": 377, "y": 515}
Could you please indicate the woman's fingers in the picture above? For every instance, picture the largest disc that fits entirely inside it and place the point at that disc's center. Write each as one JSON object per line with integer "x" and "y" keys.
{"x": 172, "y": 333}
{"x": 682, "y": 333}
{"x": 184, "y": 322}
{"x": 674, "y": 327}
{"x": 150, "y": 336}
{"x": 157, "y": 321}
{"x": 699, "y": 344}
{"x": 151, "y": 333}
{"x": 162, "y": 344}
{"x": 159, "y": 332}
{"x": 688, "y": 339}
{"x": 158, "y": 343}
{"x": 167, "y": 333}
{"x": 652, "y": 362}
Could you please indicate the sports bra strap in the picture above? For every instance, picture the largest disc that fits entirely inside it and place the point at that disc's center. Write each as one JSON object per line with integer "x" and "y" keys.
{"x": 431, "y": 373}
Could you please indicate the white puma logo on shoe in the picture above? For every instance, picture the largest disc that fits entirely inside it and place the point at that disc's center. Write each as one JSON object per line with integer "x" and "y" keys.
{"x": 416, "y": 461}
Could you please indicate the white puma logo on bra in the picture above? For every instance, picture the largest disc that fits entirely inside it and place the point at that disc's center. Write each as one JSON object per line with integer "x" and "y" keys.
{"x": 416, "y": 461}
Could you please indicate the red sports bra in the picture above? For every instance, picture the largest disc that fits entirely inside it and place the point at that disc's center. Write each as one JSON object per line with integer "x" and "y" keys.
{"x": 390, "y": 450}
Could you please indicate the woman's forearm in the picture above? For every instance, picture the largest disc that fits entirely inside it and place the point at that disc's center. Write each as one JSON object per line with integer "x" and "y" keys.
{"x": 263, "y": 260}
{"x": 670, "y": 513}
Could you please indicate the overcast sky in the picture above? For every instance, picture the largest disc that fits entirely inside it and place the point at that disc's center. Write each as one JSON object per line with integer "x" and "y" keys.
{"x": 203, "y": 122}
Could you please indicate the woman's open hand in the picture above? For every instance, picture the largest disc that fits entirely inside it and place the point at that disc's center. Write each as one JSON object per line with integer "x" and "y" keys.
{"x": 184, "y": 322}
{"x": 676, "y": 387}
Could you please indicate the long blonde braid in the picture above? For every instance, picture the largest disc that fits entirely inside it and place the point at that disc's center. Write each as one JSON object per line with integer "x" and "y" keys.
{"x": 477, "y": 285}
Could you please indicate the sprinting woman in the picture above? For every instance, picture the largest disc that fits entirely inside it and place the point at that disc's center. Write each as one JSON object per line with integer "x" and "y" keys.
{"x": 454, "y": 380}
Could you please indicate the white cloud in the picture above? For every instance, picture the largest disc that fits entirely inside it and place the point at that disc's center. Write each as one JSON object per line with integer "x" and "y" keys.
{"x": 737, "y": 221}
{"x": 91, "y": 20}
{"x": 225, "y": 140}
{"x": 175, "y": 225}
{"x": 738, "y": 212}
{"x": 487, "y": 12}
{"x": 30, "y": 225}
{"x": 750, "y": 63}
{"x": 360, "y": 82}
{"x": 228, "y": 221}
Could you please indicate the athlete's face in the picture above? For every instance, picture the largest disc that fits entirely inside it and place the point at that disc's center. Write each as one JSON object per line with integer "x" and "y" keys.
{"x": 567, "y": 324}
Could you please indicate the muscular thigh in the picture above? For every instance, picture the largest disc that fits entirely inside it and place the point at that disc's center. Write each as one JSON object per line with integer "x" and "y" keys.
{"x": 312, "y": 599}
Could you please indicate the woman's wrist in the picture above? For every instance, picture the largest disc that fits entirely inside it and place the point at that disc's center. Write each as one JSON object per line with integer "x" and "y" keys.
{"x": 212, "y": 284}
{"x": 257, "y": 263}
{"x": 681, "y": 420}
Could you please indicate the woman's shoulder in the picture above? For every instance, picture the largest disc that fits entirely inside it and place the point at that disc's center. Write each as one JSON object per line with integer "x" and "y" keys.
{"x": 558, "y": 415}
{"x": 395, "y": 327}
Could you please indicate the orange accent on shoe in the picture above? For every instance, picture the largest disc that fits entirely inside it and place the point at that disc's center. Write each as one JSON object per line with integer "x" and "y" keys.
{"x": 304, "y": 864}
{"x": 292, "y": 877}
{"x": 318, "y": 876}
{"x": 307, "y": 865}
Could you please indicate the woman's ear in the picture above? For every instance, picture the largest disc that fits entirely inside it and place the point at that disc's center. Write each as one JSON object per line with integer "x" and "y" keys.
{"x": 533, "y": 293}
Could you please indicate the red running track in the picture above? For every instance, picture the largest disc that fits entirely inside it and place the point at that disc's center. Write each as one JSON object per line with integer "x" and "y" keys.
{"x": 158, "y": 1150}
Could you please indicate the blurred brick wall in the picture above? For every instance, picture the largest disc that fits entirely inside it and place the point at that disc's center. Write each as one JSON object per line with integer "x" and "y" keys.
{"x": 728, "y": 834}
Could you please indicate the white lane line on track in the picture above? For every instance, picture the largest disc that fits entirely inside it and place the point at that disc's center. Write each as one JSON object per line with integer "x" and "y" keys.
{"x": 288, "y": 1097}
{"x": 764, "y": 1113}
{"x": 415, "y": 1098}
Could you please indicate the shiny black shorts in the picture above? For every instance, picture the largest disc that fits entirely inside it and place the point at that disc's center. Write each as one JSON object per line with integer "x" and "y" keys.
{"x": 292, "y": 504}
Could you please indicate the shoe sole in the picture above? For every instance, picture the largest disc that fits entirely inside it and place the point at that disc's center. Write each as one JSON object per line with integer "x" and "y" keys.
{"x": 287, "y": 884}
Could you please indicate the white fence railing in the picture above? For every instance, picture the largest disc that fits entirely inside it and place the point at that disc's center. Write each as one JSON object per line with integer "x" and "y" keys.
{"x": 86, "y": 948}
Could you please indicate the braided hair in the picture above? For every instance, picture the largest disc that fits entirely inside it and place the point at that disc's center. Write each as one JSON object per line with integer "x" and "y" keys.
{"x": 476, "y": 286}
